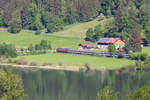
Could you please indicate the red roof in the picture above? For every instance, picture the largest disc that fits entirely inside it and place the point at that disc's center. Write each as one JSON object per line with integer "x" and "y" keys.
{"x": 87, "y": 44}
{"x": 142, "y": 41}
{"x": 108, "y": 40}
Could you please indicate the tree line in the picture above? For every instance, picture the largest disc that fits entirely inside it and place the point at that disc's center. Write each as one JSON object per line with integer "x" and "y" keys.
{"x": 10, "y": 51}
{"x": 107, "y": 93}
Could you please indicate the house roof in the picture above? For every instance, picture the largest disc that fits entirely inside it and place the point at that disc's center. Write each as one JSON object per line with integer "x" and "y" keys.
{"x": 108, "y": 40}
{"x": 87, "y": 44}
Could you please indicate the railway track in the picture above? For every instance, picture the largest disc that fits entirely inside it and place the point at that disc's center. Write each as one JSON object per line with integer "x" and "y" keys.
{"x": 85, "y": 52}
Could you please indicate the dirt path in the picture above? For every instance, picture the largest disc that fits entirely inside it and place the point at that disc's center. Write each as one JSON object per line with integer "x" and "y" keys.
{"x": 69, "y": 68}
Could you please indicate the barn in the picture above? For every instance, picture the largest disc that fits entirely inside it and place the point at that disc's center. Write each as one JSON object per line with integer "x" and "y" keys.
{"x": 86, "y": 46}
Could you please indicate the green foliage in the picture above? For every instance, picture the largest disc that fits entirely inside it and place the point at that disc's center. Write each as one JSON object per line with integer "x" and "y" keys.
{"x": 145, "y": 13}
{"x": 15, "y": 25}
{"x": 134, "y": 41}
{"x": 11, "y": 87}
{"x": 31, "y": 48}
{"x": 147, "y": 33}
{"x": 1, "y": 20}
{"x": 90, "y": 35}
{"x": 44, "y": 45}
{"x": 107, "y": 94}
{"x": 110, "y": 29}
{"x": 126, "y": 25}
{"x": 7, "y": 50}
{"x": 121, "y": 55}
{"x": 143, "y": 56}
{"x": 55, "y": 24}
{"x": 38, "y": 32}
{"x": 140, "y": 94}
{"x": 99, "y": 33}
{"x": 143, "y": 64}
{"x": 111, "y": 49}
{"x": 71, "y": 17}
{"x": 139, "y": 56}
{"x": 106, "y": 5}
{"x": 37, "y": 47}
{"x": 14, "y": 28}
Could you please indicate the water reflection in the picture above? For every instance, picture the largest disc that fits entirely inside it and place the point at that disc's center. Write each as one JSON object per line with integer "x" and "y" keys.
{"x": 65, "y": 85}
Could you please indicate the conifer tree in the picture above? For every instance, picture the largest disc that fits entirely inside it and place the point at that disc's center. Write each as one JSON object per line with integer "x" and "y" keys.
{"x": 134, "y": 41}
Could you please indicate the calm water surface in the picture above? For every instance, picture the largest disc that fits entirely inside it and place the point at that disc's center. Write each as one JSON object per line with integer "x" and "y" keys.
{"x": 67, "y": 85}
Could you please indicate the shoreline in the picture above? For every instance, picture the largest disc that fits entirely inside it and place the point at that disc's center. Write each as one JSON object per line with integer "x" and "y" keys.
{"x": 69, "y": 68}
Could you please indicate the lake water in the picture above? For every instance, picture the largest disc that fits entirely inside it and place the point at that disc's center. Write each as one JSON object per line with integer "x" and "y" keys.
{"x": 66, "y": 85}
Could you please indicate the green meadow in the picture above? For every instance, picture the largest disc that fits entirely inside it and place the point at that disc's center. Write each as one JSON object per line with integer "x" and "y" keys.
{"x": 146, "y": 50}
{"x": 79, "y": 29}
{"x": 25, "y": 38}
{"x": 79, "y": 60}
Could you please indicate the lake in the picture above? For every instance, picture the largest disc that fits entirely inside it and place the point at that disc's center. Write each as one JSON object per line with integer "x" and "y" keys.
{"x": 67, "y": 85}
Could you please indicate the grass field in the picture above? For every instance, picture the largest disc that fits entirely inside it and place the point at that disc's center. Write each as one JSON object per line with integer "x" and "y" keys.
{"x": 25, "y": 38}
{"x": 79, "y": 29}
{"x": 70, "y": 37}
{"x": 146, "y": 50}
{"x": 79, "y": 60}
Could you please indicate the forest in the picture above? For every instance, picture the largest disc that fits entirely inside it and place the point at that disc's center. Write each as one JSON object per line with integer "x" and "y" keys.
{"x": 131, "y": 17}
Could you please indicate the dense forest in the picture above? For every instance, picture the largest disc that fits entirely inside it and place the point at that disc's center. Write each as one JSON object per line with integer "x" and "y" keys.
{"x": 131, "y": 17}
{"x": 50, "y": 14}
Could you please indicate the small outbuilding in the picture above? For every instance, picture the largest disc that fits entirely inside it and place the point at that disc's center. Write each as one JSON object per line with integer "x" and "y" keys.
{"x": 86, "y": 46}
{"x": 143, "y": 42}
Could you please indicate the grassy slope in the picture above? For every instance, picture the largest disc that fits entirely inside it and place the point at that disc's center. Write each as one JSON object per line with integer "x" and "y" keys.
{"x": 146, "y": 50}
{"x": 79, "y": 29}
{"x": 25, "y": 38}
{"x": 69, "y": 38}
{"x": 79, "y": 60}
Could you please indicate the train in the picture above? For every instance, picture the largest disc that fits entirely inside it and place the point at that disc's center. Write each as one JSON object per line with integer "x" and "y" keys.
{"x": 82, "y": 52}
{"x": 87, "y": 52}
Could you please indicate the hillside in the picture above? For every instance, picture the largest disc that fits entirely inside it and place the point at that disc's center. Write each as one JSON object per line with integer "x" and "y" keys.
{"x": 79, "y": 29}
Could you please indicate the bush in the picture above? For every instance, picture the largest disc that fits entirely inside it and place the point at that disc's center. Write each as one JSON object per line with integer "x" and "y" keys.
{"x": 60, "y": 64}
{"x": 7, "y": 50}
{"x": 21, "y": 62}
{"x": 139, "y": 64}
{"x": 87, "y": 66}
{"x": 143, "y": 56}
{"x": 2, "y": 59}
{"x": 38, "y": 32}
{"x": 15, "y": 27}
{"x": 33, "y": 63}
{"x": 9, "y": 61}
{"x": 111, "y": 50}
{"x": 46, "y": 64}
{"x": 133, "y": 56}
{"x": 121, "y": 55}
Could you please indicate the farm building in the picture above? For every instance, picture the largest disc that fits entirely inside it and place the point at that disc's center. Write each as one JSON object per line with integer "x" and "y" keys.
{"x": 104, "y": 43}
{"x": 143, "y": 42}
{"x": 86, "y": 46}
